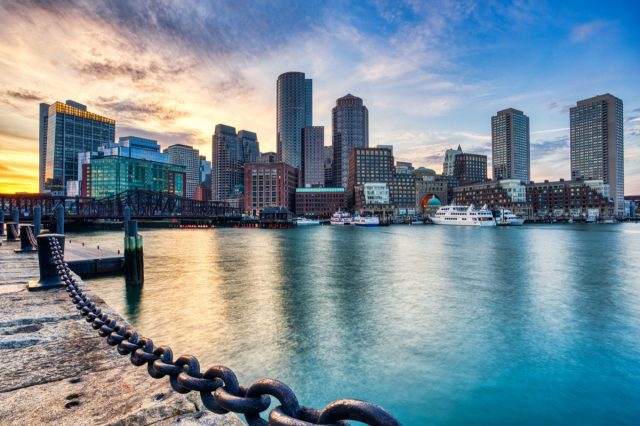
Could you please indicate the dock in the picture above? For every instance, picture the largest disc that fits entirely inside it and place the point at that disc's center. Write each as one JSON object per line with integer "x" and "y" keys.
{"x": 89, "y": 261}
{"x": 58, "y": 370}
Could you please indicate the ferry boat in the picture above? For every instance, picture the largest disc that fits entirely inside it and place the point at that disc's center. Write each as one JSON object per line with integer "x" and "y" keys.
{"x": 303, "y": 221}
{"x": 505, "y": 217}
{"x": 366, "y": 221}
{"x": 463, "y": 216}
{"x": 341, "y": 218}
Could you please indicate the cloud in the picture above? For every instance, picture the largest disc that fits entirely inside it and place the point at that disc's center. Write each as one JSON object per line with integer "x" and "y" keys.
{"x": 544, "y": 147}
{"x": 24, "y": 95}
{"x": 583, "y": 32}
{"x": 139, "y": 111}
{"x": 108, "y": 70}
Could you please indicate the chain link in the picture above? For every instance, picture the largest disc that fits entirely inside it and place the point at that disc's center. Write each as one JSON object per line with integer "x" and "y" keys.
{"x": 218, "y": 385}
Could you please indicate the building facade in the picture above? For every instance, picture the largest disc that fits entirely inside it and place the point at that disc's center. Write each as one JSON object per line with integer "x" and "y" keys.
{"x": 510, "y": 145}
{"x": 448, "y": 166}
{"x": 189, "y": 158}
{"x": 294, "y": 100}
{"x": 313, "y": 156}
{"x": 227, "y": 173}
{"x": 268, "y": 157}
{"x": 597, "y": 144}
{"x": 350, "y": 122}
{"x": 470, "y": 168}
{"x": 328, "y": 166}
{"x": 319, "y": 202}
{"x": 42, "y": 141}
{"x": 269, "y": 185}
{"x": 569, "y": 199}
{"x": 508, "y": 194}
{"x": 71, "y": 130}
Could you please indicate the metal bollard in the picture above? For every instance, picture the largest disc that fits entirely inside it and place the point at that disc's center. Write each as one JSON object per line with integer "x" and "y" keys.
{"x": 49, "y": 277}
{"x": 37, "y": 219}
{"x": 60, "y": 219}
{"x": 26, "y": 243}
{"x": 127, "y": 219}
{"x": 12, "y": 231}
{"x": 15, "y": 215}
{"x": 133, "y": 256}
{"x": 1, "y": 222}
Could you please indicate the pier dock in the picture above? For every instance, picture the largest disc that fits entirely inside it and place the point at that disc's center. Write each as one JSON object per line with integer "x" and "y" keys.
{"x": 86, "y": 261}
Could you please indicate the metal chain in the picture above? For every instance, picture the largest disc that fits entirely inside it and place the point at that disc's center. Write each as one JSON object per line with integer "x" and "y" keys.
{"x": 218, "y": 385}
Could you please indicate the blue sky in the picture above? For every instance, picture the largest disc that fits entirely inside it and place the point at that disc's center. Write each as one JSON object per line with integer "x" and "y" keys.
{"x": 431, "y": 72}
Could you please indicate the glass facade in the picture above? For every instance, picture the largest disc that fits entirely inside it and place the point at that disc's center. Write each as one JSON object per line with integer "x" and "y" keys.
{"x": 510, "y": 145}
{"x": 230, "y": 151}
{"x": 350, "y": 121}
{"x": 293, "y": 113}
{"x": 71, "y": 131}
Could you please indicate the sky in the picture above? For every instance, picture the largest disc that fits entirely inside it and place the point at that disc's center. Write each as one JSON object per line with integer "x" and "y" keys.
{"x": 432, "y": 73}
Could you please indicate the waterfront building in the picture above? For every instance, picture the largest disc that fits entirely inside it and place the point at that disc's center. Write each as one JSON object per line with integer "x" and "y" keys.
{"x": 575, "y": 198}
{"x": 205, "y": 171}
{"x": 319, "y": 202}
{"x": 136, "y": 147}
{"x": 203, "y": 192}
{"x": 597, "y": 144}
{"x": 42, "y": 139}
{"x": 404, "y": 167}
{"x": 470, "y": 168}
{"x": 293, "y": 113}
{"x": 507, "y": 193}
{"x": 189, "y": 158}
{"x": 227, "y": 173}
{"x": 429, "y": 186}
{"x": 313, "y": 156}
{"x": 376, "y": 165}
{"x": 350, "y": 123}
{"x": 510, "y": 145}
{"x": 269, "y": 185}
{"x": 71, "y": 129}
{"x": 268, "y": 157}
{"x": 328, "y": 166}
{"x": 250, "y": 146}
{"x": 448, "y": 165}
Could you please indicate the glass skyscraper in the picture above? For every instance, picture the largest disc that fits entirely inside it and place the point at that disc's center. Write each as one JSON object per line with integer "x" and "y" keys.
{"x": 230, "y": 151}
{"x": 350, "y": 121}
{"x": 510, "y": 145}
{"x": 71, "y": 130}
{"x": 294, "y": 111}
{"x": 597, "y": 144}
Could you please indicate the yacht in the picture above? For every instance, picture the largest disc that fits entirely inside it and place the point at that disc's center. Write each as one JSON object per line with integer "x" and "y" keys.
{"x": 341, "y": 218}
{"x": 505, "y": 217}
{"x": 366, "y": 221}
{"x": 302, "y": 221}
{"x": 463, "y": 216}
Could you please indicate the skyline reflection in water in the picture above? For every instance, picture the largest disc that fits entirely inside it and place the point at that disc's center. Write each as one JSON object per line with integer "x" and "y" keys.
{"x": 443, "y": 325}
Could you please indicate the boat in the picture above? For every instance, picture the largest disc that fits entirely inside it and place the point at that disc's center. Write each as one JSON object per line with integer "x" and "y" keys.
{"x": 303, "y": 221}
{"x": 463, "y": 216}
{"x": 591, "y": 218}
{"x": 341, "y": 218}
{"x": 505, "y": 217}
{"x": 366, "y": 221}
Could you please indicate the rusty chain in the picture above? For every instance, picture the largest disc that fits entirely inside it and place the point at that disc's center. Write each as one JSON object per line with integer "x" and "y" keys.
{"x": 218, "y": 385}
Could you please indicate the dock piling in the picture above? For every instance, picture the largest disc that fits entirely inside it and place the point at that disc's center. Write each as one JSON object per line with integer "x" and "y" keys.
{"x": 49, "y": 277}
{"x": 1, "y": 222}
{"x": 60, "y": 219}
{"x": 127, "y": 219}
{"x": 133, "y": 255}
{"x": 37, "y": 219}
{"x": 28, "y": 243}
{"x": 15, "y": 213}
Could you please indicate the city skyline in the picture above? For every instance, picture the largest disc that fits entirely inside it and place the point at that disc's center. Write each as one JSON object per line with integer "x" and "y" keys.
{"x": 428, "y": 86}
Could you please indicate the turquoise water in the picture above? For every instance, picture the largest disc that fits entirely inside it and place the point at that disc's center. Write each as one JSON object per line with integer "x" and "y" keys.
{"x": 440, "y": 325}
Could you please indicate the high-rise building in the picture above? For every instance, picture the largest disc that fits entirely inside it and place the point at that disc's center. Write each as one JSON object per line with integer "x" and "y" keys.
{"x": 510, "y": 145}
{"x": 350, "y": 120}
{"x": 230, "y": 151}
{"x": 448, "y": 166}
{"x": 294, "y": 97}
{"x": 268, "y": 157}
{"x": 42, "y": 136}
{"x": 328, "y": 166}
{"x": 597, "y": 144}
{"x": 269, "y": 185}
{"x": 71, "y": 130}
{"x": 187, "y": 156}
{"x": 313, "y": 156}
{"x": 470, "y": 168}
{"x": 250, "y": 146}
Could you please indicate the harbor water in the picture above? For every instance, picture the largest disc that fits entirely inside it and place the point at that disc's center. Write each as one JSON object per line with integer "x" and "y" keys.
{"x": 440, "y": 325}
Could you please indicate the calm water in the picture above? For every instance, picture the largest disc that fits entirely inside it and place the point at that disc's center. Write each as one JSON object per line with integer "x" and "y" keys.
{"x": 441, "y": 325}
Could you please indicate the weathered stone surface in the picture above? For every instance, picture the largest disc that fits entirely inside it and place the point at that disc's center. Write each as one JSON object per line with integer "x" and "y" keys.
{"x": 56, "y": 369}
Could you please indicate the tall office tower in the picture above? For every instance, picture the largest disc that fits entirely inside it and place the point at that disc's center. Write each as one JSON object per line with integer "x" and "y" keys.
{"x": 313, "y": 156}
{"x": 328, "y": 166}
{"x": 294, "y": 97}
{"x": 448, "y": 167}
{"x": 250, "y": 146}
{"x": 597, "y": 144}
{"x": 226, "y": 163}
{"x": 470, "y": 168}
{"x": 187, "y": 156}
{"x": 42, "y": 136}
{"x": 350, "y": 120}
{"x": 205, "y": 172}
{"x": 510, "y": 145}
{"x": 71, "y": 130}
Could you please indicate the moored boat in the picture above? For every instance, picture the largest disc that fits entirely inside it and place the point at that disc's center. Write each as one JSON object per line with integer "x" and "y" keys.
{"x": 304, "y": 221}
{"x": 463, "y": 216}
{"x": 505, "y": 217}
{"x": 341, "y": 218}
{"x": 366, "y": 221}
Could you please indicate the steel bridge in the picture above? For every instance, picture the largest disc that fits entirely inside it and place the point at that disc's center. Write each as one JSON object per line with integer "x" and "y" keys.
{"x": 143, "y": 204}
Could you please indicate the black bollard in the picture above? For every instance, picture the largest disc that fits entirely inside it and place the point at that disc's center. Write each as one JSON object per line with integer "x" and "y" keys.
{"x": 12, "y": 231}
{"x": 59, "y": 219}
{"x": 127, "y": 219}
{"x": 48, "y": 271}
{"x": 1, "y": 222}
{"x": 27, "y": 240}
{"x": 16, "y": 214}
{"x": 37, "y": 219}
{"x": 133, "y": 256}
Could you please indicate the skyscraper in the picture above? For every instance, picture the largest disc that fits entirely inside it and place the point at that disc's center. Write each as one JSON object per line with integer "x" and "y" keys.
{"x": 313, "y": 156}
{"x": 448, "y": 167}
{"x": 71, "y": 129}
{"x": 597, "y": 144}
{"x": 510, "y": 145}
{"x": 350, "y": 120}
{"x": 230, "y": 151}
{"x": 187, "y": 156}
{"x": 250, "y": 146}
{"x": 42, "y": 137}
{"x": 470, "y": 168}
{"x": 294, "y": 97}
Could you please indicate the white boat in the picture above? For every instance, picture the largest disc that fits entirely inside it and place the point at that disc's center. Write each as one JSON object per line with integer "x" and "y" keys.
{"x": 463, "y": 216}
{"x": 303, "y": 221}
{"x": 366, "y": 221}
{"x": 505, "y": 217}
{"x": 591, "y": 218}
{"x": 341, "y": 218}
